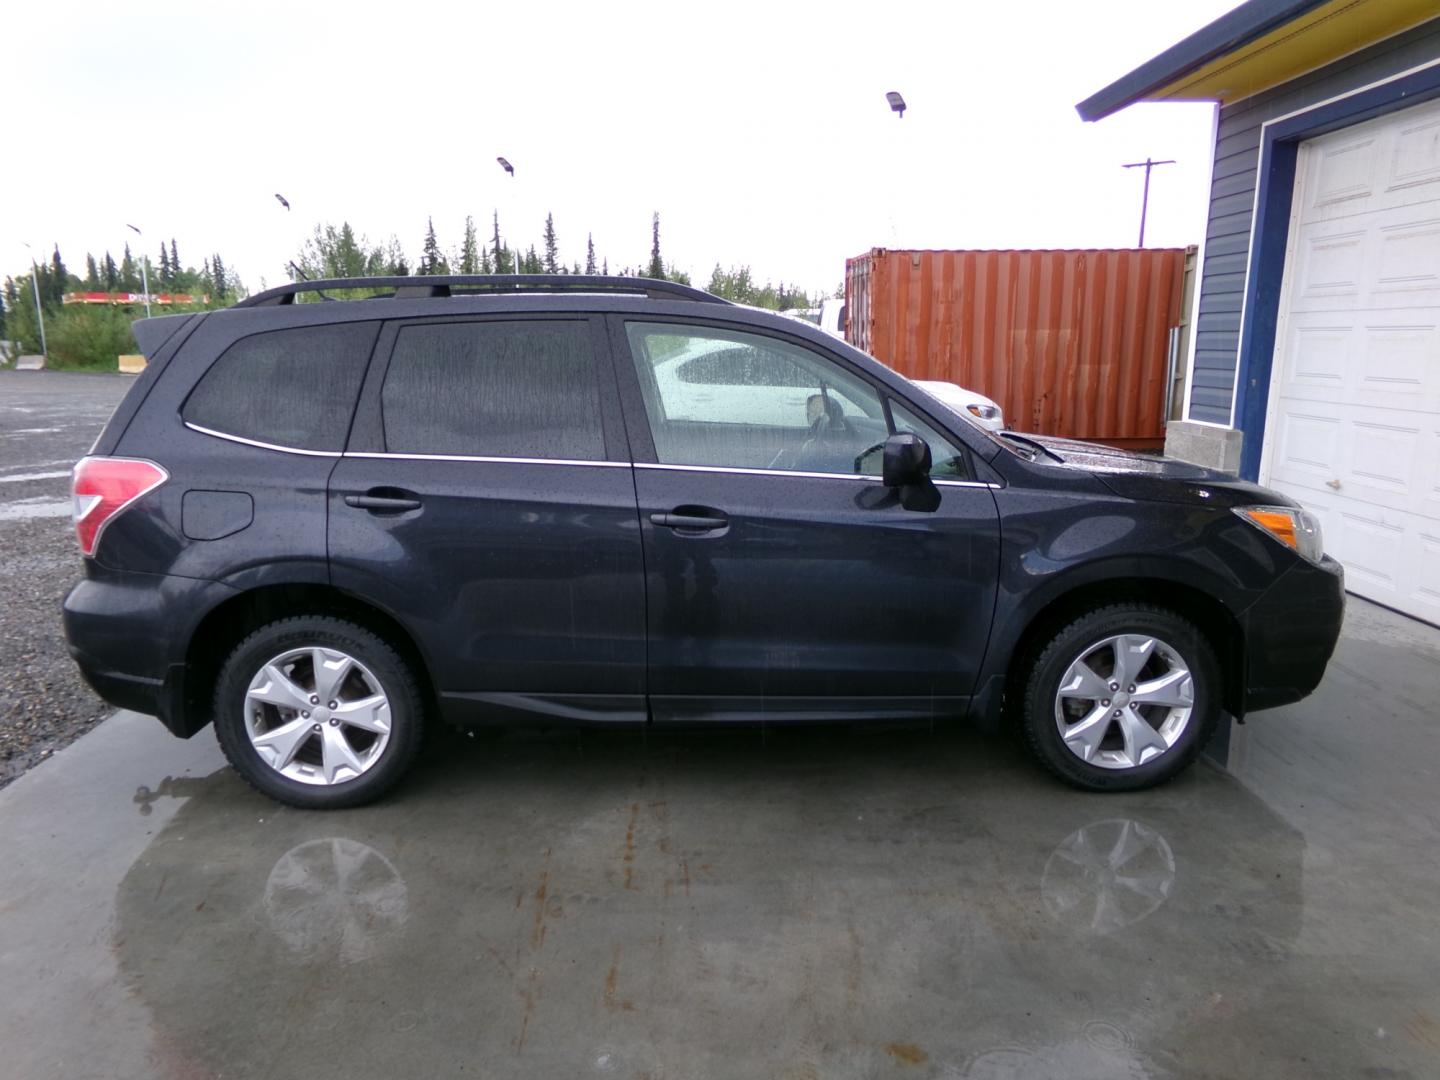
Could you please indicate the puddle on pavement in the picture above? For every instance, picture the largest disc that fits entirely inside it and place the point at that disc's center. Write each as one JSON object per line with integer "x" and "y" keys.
{"x": 335, "y": 899}
{"x": 1107, "y": 875}
{"x": 821, "y": 899}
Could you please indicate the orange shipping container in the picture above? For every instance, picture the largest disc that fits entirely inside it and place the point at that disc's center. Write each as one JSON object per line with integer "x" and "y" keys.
{"x": 1068, "y": 343}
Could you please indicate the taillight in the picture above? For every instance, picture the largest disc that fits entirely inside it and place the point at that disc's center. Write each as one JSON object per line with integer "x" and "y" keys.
{"x": 104, "y": 486}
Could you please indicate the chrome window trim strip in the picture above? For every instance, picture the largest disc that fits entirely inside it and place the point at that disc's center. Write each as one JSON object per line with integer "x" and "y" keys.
{"x": 736, "y": 471}
{"x": 966, "y": 484}
{"x": 262, "y": 445}
{"x": 721, "y": 469}
{"x": 486, "y": 460}
{"x": 791, "y": 472}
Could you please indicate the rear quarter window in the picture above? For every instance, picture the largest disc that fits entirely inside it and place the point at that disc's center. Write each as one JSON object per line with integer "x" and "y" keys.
{"x": 289, "y": 388}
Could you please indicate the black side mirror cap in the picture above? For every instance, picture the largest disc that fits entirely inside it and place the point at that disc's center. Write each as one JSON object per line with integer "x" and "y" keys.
{"x": 907, "y": 460}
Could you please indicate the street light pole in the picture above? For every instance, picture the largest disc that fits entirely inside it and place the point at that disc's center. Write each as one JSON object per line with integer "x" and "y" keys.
{"x": 39, "y": 312}
{"x": 897, "y": 105}
{"x": 296, "y": 275}
{"x": 144, "y": 277}
{"x": 1147, "y": 165}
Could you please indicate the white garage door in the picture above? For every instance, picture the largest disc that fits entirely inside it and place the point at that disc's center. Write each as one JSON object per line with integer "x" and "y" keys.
{"x": 1353, "y": 431}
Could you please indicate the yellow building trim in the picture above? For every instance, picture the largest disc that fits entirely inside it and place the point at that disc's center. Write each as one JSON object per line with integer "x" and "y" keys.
{"x": 1308, "y": 42}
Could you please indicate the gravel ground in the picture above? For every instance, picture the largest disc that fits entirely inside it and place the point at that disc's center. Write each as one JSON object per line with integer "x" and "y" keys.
{"x": 48, "y": 419}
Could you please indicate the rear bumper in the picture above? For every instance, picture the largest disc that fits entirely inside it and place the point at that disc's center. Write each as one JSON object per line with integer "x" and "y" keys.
{"x": 1290, "y": 634}
{"x": 129, "y": 634}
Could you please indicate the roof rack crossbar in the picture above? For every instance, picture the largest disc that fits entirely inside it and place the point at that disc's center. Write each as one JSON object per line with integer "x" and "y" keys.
{"x": 421, "y": 286}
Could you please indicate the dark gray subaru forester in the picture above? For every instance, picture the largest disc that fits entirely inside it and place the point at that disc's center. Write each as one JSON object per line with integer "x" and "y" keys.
{"x": 615, "y": 501}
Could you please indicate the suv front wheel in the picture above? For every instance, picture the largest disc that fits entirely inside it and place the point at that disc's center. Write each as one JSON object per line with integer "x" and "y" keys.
{"x": 318, "y": 712}
{"x": 1122, "y": 698}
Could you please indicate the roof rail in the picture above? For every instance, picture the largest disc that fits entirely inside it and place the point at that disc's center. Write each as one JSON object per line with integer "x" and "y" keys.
{"x": 422, "y": 286}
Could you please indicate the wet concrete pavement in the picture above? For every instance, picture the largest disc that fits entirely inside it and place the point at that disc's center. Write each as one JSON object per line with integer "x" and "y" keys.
{"x": 807, "y": 903}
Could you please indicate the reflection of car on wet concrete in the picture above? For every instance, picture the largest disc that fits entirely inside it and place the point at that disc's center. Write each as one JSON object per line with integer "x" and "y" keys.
{"x": 593, "y": 918}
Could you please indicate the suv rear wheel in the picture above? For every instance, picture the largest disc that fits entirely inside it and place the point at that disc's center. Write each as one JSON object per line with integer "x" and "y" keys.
{"x": 318, "y": 712}
{"x": 1122, "y": 698}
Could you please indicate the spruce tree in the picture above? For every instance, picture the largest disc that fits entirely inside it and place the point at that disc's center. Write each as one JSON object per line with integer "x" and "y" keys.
{"x": 92, "y": 274}
{"x": 111, "y": 274}
{"x": 164, "y": 266}
{"x": 59, "y": 278}
{"x": 469, "y": 249}
{"x": 217, "y": 270}
{"x": 605, "y": 266}
{"x": 431, "y": 260}
{"x": 590, "y": 253}
{"x": 486, "y": 266}
{"x": 656, "y": 269}
{"x": 552, "y": 246}
{"x": 499, "y": 262}
{"x": 175, "y": 266}
{"x": 129, "y": 279}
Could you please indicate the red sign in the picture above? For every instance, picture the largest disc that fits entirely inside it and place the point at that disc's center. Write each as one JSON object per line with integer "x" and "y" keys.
{"x": 133, "y": 298}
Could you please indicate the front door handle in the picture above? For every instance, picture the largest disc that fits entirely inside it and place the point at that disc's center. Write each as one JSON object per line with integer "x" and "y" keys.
{"x": 383, "y": 504}
{"x": 690, "y": 522}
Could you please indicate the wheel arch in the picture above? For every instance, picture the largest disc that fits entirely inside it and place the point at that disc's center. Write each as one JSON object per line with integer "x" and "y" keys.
{"x": 1217, "y": 622}
{"x": 226, "y": 624}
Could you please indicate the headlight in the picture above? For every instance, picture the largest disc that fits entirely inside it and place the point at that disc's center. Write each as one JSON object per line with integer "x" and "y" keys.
{"x": 1296, "y": 529}
{"x": 984, "y": 412}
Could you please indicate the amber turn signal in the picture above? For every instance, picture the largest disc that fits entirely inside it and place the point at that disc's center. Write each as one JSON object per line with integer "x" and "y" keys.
{"x": 1296, "y": 529}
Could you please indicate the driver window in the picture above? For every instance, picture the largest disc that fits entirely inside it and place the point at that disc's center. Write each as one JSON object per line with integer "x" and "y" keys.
{"x": 737, "y": 400}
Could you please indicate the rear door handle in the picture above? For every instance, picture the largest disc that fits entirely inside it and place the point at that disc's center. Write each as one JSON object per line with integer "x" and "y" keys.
{"x": 383, "y": 504}
{"x": 690, "y": 522}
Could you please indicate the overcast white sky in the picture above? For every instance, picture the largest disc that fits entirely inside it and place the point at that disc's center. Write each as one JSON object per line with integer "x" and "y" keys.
{"x": 758, "y": 131}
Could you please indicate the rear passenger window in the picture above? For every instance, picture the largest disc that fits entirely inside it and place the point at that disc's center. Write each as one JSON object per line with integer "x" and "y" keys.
{"x": 289, "y": 388}
{"x": 494, "y": 389}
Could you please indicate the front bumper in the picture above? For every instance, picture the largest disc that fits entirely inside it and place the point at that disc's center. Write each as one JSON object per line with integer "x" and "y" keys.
{"x": 1290, "y": 633}
{"x": 129, "y": 634}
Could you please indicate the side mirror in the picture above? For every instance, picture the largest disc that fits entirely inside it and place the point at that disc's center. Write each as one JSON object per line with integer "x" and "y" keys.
{"x": 907, "y": 460}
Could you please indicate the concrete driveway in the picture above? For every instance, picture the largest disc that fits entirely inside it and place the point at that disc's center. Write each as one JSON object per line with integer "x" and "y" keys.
{"x": 811, "y": 903}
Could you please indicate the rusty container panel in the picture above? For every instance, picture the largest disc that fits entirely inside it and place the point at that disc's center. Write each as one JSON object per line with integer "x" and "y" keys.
{"x": 1068, "y": 343}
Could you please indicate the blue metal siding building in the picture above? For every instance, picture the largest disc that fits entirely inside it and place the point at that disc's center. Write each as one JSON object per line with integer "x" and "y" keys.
{"x": 1295, "y": 264}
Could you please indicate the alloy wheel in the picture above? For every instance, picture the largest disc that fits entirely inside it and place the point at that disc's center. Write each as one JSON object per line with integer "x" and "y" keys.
{"x": 1124, "y": 701}
{"x": 317, "y": 715}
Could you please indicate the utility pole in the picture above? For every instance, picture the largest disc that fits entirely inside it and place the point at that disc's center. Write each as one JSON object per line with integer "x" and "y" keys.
{"x": 1147, "y": 165}
{"x": 39, "y": 311}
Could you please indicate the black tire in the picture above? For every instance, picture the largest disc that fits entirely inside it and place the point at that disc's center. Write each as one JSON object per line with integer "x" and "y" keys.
{"x": 397, "y": 681}
{"x": 1042, "y": 685}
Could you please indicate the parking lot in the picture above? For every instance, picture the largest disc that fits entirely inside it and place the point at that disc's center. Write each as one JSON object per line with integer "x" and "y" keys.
{"x": 47, "y": 421}
{"x": 814, "y": 902}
